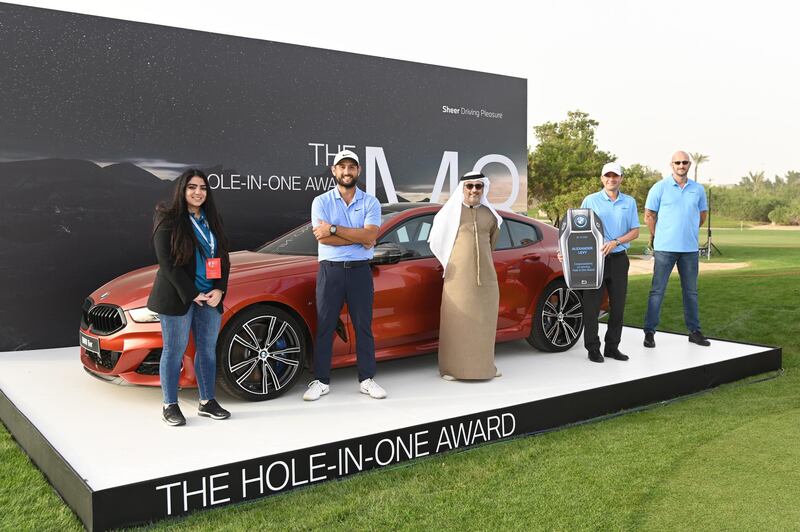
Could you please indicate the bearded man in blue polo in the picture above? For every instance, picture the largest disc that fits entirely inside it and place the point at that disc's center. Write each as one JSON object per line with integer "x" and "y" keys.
{"x": 346, "y": 221}
{"x": 675, "y": 209}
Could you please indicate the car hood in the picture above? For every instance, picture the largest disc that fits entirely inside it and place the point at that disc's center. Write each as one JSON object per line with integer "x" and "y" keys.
{"x": 132, "y": 289}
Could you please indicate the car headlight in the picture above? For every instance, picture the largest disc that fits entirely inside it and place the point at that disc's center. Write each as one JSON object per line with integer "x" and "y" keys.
{"x": 144, "y": 315}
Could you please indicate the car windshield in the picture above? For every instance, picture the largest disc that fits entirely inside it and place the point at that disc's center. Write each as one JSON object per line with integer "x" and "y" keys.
{"x": 301, "y": 241}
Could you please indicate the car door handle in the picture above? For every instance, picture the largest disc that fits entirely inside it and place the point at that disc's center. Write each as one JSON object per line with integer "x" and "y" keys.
{"x": 531, "y": 258}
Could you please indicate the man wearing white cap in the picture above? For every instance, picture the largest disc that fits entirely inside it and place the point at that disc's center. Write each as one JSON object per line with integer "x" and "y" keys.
{"x": 620, "y": 220}
{"x": 462, "y": 238}
{"x": 346, "y": 221}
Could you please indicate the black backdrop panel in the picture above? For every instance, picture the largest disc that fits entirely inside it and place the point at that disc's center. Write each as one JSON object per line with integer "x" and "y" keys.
{"x": 98, "y": 115}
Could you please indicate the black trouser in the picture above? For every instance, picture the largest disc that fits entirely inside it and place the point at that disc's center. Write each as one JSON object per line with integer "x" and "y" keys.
{"x": 337, "y": 283}
{"x": 615, "y": 280}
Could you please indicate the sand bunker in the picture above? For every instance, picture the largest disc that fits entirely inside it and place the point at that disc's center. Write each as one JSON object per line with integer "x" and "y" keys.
{"x": 643, "y": 266}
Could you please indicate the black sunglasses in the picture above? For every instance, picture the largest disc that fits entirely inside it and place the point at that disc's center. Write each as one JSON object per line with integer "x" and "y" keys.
{"x": 476, "y": 186}
{"x": 678, "y": 163}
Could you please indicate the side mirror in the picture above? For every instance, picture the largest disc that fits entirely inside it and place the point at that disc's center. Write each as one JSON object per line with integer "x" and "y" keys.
{"x": 387, "y": 253}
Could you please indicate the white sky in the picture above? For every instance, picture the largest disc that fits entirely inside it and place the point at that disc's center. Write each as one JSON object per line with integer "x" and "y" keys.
{"x": 714, "y": 77}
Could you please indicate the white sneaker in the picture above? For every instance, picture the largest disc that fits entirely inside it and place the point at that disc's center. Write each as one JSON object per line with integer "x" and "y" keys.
{"x": 373, "y": 389}
{"x": 316, "y": 389}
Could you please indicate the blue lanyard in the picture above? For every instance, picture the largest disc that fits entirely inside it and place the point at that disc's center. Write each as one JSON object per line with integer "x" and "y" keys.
{"x": 210, "y": 239}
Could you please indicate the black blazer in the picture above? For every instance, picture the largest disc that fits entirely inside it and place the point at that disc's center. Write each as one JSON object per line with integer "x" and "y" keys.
{"x": 174, "y": 290}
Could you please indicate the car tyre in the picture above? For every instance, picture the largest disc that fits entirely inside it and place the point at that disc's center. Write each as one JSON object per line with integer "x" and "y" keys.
{"x": 261, "y": 353}
{"x": 558, "y": 320}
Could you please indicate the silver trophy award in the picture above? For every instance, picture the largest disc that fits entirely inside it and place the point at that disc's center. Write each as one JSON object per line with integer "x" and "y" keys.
{"x": 580, "y": 239}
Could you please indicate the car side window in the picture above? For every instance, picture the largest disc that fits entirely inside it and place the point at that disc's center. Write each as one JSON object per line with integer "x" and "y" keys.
{"x": 504, "y": 240}
{"x": 412, "y": 236}
{"x": 523, "y": 234}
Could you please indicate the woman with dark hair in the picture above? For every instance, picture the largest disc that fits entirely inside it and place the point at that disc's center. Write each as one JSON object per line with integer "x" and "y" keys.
{"x": 193, "y": 267}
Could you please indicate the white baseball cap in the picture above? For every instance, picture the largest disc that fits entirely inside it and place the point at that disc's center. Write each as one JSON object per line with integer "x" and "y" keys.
{"x": 345, "y": 154}
{"x": 611, "y": 167}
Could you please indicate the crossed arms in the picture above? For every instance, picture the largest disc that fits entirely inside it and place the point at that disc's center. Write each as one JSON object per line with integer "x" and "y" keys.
{"x": 346, "y": 236}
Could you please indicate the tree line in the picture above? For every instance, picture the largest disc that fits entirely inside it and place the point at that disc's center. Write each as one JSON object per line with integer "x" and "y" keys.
{"x": 563, "y": 168}
{"x": 760, "y": 199}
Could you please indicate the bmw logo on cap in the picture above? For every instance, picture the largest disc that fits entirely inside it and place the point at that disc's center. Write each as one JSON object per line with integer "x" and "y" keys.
{"x": 581, "y": 221}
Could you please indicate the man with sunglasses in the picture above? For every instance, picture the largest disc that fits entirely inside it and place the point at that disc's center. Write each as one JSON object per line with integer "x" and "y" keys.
{"x": 463, "y": 235}
{"x": 675, "y": 209}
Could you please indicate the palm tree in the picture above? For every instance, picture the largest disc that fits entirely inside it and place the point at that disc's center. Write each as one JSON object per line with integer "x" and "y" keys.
{"x": 757, "y": 180}
{"x": 698, "y": 159}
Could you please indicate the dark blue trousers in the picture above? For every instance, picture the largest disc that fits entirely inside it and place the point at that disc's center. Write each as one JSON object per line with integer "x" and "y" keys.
{"x": 337, "y": 285}
{"x": 615, "y": 280}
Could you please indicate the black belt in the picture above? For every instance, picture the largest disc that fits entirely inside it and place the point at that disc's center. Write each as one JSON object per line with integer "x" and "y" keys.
{"x": 618, "y": 253}
{"x": 346, "y": 263}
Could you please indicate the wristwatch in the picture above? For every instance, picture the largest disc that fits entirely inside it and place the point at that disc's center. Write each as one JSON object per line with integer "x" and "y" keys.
{"x": 333, "y": 229}
{"x": 617, "y": 241}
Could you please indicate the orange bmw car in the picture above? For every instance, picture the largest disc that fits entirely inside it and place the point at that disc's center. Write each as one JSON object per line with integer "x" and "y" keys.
{"x": 269, "y": 319}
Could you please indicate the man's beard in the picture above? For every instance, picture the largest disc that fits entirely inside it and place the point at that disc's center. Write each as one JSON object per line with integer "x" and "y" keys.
{"x": 351, "y": 184}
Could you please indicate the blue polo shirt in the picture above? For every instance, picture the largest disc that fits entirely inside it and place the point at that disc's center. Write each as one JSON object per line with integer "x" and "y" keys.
{"x": 678, "y": 223}
{"x": 330, "y": 207}
{"x": 618, "y": 216}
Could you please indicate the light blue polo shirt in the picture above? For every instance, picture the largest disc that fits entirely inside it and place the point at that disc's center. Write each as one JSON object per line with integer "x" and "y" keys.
{"x": 618, "y": 216}
{"x": 678, "y": 222}
{"x": 330, "y": 207}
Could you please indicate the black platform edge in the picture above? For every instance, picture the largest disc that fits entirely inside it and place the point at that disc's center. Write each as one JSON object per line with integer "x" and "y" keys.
{"x": 67, "y": 482}
{"x": 247, "y": 480}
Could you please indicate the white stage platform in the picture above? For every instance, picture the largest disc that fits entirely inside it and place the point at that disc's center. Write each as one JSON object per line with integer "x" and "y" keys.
{"x": 101, "y": 444}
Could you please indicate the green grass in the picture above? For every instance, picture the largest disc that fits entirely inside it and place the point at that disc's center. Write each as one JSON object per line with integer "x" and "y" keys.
{"x": 725, "y": 459}
{"x": 723, "y": 222}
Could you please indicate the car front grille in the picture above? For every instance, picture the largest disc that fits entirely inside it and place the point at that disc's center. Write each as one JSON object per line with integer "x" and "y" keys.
{"x": 103, "y": 319}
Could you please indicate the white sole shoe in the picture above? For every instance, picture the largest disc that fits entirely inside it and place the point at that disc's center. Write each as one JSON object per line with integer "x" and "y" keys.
{"x": 372, "y": 388}
{"x": 316, "y": 390}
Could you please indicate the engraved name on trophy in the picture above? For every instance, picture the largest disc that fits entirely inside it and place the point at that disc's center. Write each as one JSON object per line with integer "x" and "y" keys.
{"x": 580, "y": 239}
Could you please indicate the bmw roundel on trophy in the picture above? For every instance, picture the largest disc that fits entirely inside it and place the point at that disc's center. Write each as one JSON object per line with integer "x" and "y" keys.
{"x": 580, "y": 241}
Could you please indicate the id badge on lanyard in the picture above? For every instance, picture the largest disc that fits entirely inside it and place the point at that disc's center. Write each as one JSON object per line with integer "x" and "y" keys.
{"x": 213, "y": 265}
{"x": 213, "y": 269}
